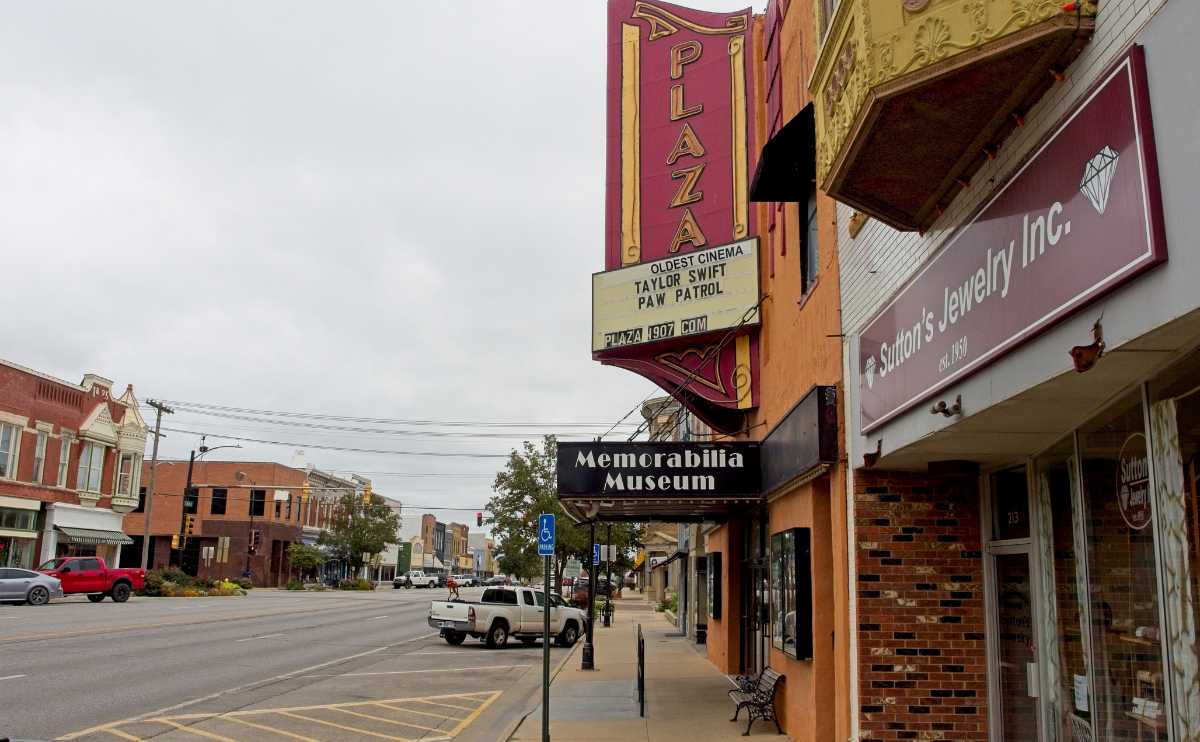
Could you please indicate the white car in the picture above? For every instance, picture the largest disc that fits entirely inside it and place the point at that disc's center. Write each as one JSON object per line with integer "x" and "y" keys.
{"x": 415, "y": 578}
{"x": 465, "y": 580}
{"x": 505, "y": 612}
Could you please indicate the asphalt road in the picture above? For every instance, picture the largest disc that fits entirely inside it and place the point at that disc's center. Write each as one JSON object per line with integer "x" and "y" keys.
{"x": 271, "y": 665}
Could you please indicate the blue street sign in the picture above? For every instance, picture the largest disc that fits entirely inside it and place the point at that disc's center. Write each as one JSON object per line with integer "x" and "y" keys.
{"x": 595, "y": 553}
{"x": 546, "y": 534}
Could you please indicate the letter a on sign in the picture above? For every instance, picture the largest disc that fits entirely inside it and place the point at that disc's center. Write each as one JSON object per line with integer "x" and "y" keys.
{"x": 546, "y": 534}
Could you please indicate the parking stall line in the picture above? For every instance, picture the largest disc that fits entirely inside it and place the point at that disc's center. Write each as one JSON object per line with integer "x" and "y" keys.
{"x": 123, "y": 735}
{"x": 13, "y": 677}
{"x": 444, "y": 705}
{"x": 385, "y": 721}
{"x": 474, "y": 714}
{"x": 356, "y": 730}
{"x": 272, "y": 730}
{"x": 195, "y": 731}
{"x": 252, "y": 638}
{"x": 414, "y": 711}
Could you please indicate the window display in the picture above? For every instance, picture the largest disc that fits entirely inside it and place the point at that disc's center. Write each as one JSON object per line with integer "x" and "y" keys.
{"x": 791, "y": 593}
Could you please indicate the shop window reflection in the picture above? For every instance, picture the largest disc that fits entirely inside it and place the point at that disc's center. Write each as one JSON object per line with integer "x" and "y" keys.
{"x": 1127, "y": 681}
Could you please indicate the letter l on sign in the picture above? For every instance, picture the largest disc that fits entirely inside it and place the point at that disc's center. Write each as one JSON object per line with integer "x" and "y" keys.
{"x": 546, "y": 534}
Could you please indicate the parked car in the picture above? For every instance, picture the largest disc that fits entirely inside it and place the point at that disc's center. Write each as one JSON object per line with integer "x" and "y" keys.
{"x": 92, "y": 576}
{"x": 505, "y": 612}
{"x": 415, "y": 578}
{"x": 23, "y": 586}
{"x": 466, "y": 580}
{"x": 496, "y": 580}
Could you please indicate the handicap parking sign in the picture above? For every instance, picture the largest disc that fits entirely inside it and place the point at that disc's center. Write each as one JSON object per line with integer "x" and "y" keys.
{"x": 595, "y": 553}
{"x": 546, "y": 534}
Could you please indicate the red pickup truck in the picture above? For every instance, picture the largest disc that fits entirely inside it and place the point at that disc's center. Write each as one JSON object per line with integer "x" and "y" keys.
{"x": 92, "y": 576}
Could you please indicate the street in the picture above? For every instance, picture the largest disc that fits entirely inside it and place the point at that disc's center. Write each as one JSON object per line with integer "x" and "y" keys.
{"x": 272, "y": 665}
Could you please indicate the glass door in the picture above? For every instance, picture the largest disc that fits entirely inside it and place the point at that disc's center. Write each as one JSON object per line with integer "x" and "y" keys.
{"x": 1015, "y": 623}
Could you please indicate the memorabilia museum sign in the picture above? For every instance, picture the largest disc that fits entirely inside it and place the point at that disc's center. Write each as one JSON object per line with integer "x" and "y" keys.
{"x": 1080, "y": 217}
{"x": 677, "y": 189}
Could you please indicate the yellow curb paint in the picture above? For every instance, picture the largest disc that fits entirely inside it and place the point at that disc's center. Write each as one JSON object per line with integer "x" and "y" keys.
{"x": 123, "y": 735}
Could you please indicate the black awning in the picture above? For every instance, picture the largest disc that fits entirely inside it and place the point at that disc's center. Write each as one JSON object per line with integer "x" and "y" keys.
{"x": 677, "y": 509}
{"x": 787, "y": 168}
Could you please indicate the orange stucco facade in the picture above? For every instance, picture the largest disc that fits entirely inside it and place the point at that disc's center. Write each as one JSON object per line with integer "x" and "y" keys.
{"x": 800, "y": 348}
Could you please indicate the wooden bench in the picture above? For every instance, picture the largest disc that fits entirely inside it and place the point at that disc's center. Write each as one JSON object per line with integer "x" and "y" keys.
{"x": 757, "y": 696}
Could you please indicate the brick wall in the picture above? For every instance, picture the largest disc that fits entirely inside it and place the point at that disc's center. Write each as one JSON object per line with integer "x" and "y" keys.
{"x": 922, "y": 662}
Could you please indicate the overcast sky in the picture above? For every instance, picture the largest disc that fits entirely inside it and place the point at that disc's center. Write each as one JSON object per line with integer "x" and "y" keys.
{"x": 386, "y": 210}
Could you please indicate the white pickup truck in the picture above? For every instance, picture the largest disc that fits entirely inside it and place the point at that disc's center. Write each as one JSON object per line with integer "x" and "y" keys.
{"x": 505, "y": 612}
{"x": 415, "y": 578}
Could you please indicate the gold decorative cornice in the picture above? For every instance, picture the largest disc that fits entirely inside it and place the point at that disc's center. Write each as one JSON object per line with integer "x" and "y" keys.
{"x": 664, "y": 23}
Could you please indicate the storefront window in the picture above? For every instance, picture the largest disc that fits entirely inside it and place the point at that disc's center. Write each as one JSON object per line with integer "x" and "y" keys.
{"x": 1175, "y": 436}
{"x": 1127, "y": 678}
{"x": 791, "y": 593}
{"x": 16, "y": 552}
{"x": 1068, "y": 702}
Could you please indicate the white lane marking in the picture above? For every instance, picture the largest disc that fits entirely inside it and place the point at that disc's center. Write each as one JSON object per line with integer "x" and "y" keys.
{"x": 252, "y": 638}
{"x": 13, "y": 677}
{"x": 376, "y": 618}
{"x": 246, "y": 686}
{"x": 415, "y": 672}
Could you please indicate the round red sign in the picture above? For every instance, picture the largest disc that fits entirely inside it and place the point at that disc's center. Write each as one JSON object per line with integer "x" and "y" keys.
{"x": 1133, "y": 482}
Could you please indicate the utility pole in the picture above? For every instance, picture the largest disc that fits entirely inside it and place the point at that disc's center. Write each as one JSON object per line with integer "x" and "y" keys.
{"x": 159, "y": 408}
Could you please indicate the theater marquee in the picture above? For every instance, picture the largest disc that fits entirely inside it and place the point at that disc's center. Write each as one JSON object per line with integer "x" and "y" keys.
{"x": 691, "y": 294}
{"x": 677, "y": 185}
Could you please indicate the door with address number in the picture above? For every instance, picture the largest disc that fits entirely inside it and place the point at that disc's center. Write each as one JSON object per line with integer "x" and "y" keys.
{"x": 1015, "y": 672}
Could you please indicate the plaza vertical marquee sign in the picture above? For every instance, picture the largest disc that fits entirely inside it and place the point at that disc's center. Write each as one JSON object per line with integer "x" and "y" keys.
{"x": 678, "y": 299}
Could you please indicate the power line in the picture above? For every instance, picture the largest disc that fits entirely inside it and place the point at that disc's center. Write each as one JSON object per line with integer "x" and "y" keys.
{"x": 353, "y": 429}
{"x": 293, "y": 444}
{"x": 197, "y": 406}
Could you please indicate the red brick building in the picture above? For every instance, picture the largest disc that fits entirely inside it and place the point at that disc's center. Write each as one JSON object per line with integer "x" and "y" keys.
{"x": 234, "y": 501}
{"x": 70, "y": 464}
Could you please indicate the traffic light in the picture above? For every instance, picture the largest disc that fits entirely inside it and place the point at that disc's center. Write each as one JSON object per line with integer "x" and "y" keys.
{"x": 366, "y": 493}
{"x": 479, "y": 520}
{"x": 255, "y": 541}
{"x": 189, "y": 525}
{"x": 174, "y": 540}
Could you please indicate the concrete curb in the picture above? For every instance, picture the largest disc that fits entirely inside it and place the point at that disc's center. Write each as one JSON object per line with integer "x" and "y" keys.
{"x": 508, "y": 732}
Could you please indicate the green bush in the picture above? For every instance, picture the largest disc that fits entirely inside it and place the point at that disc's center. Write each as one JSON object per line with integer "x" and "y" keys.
{"x": 359, "y": 584}
{"x": 294, "y": 584}
{"x": 243, "y": 583}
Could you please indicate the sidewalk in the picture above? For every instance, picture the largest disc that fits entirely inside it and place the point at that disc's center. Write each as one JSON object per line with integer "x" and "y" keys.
{"x": 686, "y": 698}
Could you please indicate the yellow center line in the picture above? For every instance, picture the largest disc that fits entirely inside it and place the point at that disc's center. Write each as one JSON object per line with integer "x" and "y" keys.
{"x": 386, "y": 721}
{"x": 123, "y": 735}
{"x": 272, "y": 730}
{"x": 422, "y": 713}
{"x": 356, "y": 730}
{"x": 195, "y": 731}
{"x": 474, "y": 715}
{"x": 445, "y": 705}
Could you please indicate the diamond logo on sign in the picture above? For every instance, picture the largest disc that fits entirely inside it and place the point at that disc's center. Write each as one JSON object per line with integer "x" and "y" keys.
{"x": 1098, "y": 177}
{"x": 546, "y": 534}
{"x": 869, "y": 371}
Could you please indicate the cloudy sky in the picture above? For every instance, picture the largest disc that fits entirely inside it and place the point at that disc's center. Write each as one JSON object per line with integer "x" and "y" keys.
{"x": 366, "y": 210}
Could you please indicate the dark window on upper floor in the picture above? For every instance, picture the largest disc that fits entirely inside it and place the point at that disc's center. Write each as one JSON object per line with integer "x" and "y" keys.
{"x": 218, "y": 502}
{"x": 258, "y": 503}
{"x": 141, "y": 506}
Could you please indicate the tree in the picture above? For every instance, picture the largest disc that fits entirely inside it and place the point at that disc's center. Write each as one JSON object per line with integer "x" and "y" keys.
{"x": 527, "y": 487}
{"x": 305, "y": 559}
{"x": 360, "y": 527}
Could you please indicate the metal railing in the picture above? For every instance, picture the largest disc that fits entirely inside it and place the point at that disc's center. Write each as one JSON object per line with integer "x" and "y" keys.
{"x": 641, "y": 672}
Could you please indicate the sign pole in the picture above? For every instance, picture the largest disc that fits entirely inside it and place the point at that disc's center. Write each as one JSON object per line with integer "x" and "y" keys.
{"x": 589, "y": 660}
{"x": 546, "y": 542}
{"x": 546, "y": 657}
